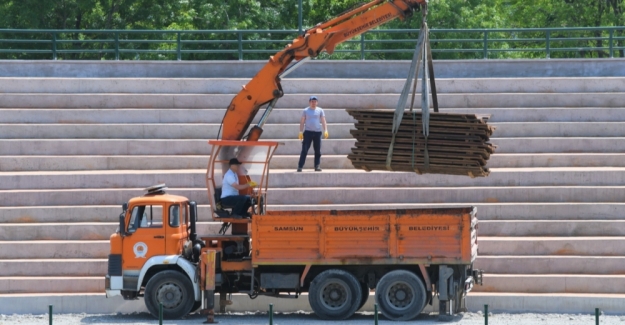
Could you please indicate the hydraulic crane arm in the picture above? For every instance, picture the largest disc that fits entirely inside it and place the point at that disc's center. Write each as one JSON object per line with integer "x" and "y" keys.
{"x": 265, "y": 86}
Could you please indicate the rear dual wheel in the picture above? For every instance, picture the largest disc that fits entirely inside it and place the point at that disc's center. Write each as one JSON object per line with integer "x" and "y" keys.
{"x": 401, "y": 295}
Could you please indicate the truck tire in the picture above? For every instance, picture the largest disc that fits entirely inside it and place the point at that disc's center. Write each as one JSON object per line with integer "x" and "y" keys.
{"x": 401, "y": 295}
{"x": 174, "y": 290}
{"x": 334, "y": 294}
{"x": 365, "y": 295}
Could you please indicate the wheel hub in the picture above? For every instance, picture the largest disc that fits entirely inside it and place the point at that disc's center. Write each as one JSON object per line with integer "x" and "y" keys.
{"x": 170, "y": 295}
{"x": 400, "y": 295}
{"x": 334, "y": 295}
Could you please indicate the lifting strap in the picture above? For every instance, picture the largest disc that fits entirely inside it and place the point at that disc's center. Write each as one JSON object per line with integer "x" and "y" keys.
{"x": 425, "y": 105}
{"x": 401, "y": 103}
{"x": 421, "y": 60}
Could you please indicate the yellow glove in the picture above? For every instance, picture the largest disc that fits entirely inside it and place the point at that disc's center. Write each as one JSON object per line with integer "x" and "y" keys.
{"x": 326, "y": 135}
{"x": 252, "y": 184}
{"x": 301, "y": 136}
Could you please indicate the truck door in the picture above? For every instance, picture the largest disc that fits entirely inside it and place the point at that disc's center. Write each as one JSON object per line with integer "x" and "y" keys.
{"x": 146, "y": 236}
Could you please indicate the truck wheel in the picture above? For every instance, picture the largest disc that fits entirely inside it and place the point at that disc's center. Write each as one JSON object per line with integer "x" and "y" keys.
{"x": 174, "y": 290}
{"x": 365, "y": 295}
{"x": 401, "y": 295}
{"x": 334, "y": 294}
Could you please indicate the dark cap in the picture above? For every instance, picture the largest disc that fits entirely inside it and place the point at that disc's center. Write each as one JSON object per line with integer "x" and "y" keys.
{"x": 234, "y": 161}
{"x": 313, "y": 98}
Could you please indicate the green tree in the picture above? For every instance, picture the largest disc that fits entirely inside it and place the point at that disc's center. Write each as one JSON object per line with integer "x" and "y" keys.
{"x": 571, "y": 13}
{"x": 281, "y": 15}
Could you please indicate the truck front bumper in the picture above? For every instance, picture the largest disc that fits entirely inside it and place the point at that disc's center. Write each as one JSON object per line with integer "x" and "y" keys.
{"x": 113, "y": 285}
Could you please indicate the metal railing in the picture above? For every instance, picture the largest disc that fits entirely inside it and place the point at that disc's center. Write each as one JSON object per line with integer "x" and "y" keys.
{"x": 606, "y": 42}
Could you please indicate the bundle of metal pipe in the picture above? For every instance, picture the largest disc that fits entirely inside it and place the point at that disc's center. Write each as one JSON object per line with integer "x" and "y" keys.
{"x": 457, "y": 144}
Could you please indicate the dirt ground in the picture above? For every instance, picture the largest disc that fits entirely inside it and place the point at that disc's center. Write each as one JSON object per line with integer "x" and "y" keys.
{"x": 304, "y": 318}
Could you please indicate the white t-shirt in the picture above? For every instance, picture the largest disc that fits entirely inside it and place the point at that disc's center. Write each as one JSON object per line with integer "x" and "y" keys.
{"x": 229, "y": 178}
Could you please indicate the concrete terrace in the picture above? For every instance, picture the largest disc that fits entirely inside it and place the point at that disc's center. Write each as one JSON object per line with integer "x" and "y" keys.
{"x": 79, "y": 138}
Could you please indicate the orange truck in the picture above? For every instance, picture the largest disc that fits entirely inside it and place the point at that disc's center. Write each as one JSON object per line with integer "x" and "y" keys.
{"x": 409, "y": 257}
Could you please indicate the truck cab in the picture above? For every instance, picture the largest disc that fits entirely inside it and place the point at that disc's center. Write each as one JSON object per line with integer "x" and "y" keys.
{"x": 155, "y": 234}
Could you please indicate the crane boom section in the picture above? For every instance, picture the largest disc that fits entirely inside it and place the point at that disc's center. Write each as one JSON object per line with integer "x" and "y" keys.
{"x": 265, "y": 85}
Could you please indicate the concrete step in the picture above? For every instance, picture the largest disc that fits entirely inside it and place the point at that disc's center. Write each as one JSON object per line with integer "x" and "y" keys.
{"x": 345, "y": 69}
{"x": 66, "y": 163}
{"x": 437, "y": 195}
{"x": 290, "y": 147}
{"x": 127, "y": 147}
{"x": 539, "y": 283}
{"x": 84, "y": 231}
{"x": 545, "y": 114}
{"x": 307, "y": 86}
{"x": 97, "y": 303}
{"x": 605, "y": 265}
{"x": 336, "y": 195}
{"x": 529, "y": 160}
{"x": 551, "y": 228}
{"x": 525, "y": 211}
{"x": 115, "y": 100}
{"x": 288, "y": 162}
{"x": 280, "y": 131}
{"x": 73, "y": 231}
{"x": 152, "y": 115}
{"x": 37, "y": 248}
{"x": 51, "y": 284}
{"x": 553, "y": 283}
{"x": 54, "y": 267}
{"x": 515, "y": 264}
{"x": 289, "y": 115}
{"x": 558, "y": 145}
{"x": 289, "y": 178}
{"x": 556, "y": 129}
{"x": 556, "y": 246}
{"x": 155, "y": 131}
{"x": 54, "y": 249}
{"x": 488, "y": 246}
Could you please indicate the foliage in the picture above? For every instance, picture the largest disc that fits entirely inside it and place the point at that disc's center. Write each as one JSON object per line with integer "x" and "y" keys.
{"x": 155, "y": 16}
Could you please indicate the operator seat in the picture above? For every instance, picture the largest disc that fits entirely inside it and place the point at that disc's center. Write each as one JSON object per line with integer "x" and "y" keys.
{"x": 220, "y": 208}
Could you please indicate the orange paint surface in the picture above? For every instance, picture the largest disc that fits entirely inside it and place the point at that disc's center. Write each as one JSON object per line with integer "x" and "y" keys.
{"x": 147, "y": 242}
{"x": 208, "y": 259}
{"x": 427, "y": 236}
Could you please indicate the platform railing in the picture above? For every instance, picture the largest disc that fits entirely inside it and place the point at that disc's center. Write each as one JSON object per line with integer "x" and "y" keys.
{"x": 380, "y": 44}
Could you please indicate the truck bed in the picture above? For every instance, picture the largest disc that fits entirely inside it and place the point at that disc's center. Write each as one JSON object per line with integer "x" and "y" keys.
{"x": 414, "y": 236}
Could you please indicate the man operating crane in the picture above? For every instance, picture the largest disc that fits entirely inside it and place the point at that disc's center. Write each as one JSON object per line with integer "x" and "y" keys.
{"x": 230, "y": 191}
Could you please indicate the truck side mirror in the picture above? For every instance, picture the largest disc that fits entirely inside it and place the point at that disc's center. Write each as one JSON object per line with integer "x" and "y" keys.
{"x": 122, "y": 225}
{"x": 122, "y": 220}
{"x": 193, "y": 214}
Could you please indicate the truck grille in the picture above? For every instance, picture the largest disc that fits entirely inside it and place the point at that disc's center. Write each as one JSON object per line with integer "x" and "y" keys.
{"x": 115, "y": 265}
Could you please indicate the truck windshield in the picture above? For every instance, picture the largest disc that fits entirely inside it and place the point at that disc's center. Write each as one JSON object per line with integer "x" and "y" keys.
{"x": 145, "y": 216}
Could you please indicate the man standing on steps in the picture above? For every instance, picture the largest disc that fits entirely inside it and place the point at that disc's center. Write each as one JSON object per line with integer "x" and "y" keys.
{"x": 311, "y": 125}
